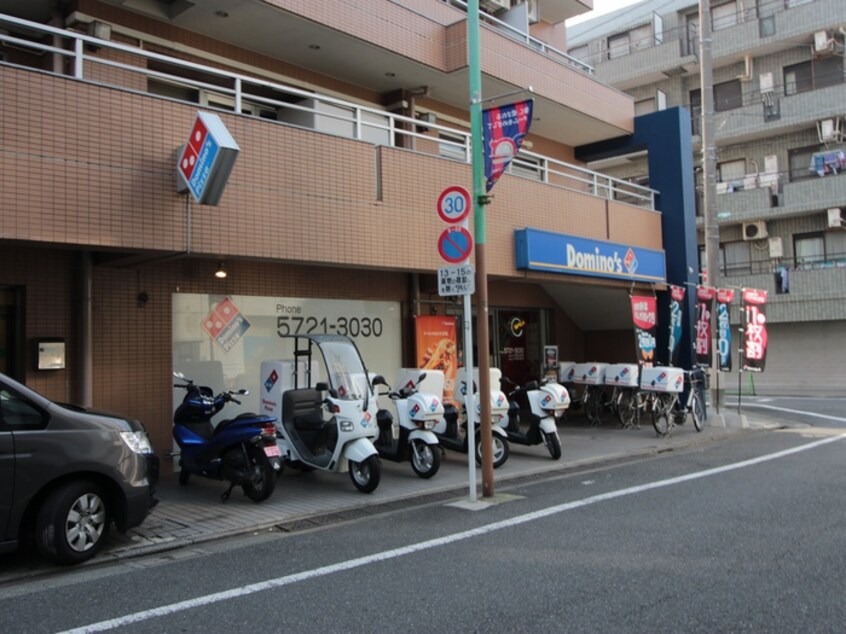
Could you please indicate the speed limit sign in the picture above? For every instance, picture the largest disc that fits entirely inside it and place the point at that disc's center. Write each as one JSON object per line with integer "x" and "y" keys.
{"x": 454, "y": 204}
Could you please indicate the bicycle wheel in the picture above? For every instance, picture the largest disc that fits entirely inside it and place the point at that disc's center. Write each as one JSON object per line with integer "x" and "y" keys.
{"x": 697, "y": 411}
{"x": 661, "y": 413}
{"x": 627, "y": 408}
{"x": 592, "y": 407}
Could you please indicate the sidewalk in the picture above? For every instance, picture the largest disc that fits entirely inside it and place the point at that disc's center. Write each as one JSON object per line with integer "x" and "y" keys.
{"x": 193, "y": 514}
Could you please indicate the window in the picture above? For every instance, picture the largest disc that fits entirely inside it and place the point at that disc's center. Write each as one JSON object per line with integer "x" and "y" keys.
{"x": 691, "y": 41}
{"x": 658, "y": 28}
{"x": 618, "y": 45}
{"x": 17, "y": 413}
{"x": 527, "y": 167}
{"x": 451, "y": 146}
{"x": 661, "y": 99}
{"x": 835, "y": 245}
{"x": 728, "y": 95}
{"x": 731, "y": 170}
{"x": 736, "y": 258}
{"x": 696, "y": 111}
{"x": 724, "y": 15}
{"x": 799, "y": 160}
{"x": 808, "y": 248}
{"x": 815, "y": 73}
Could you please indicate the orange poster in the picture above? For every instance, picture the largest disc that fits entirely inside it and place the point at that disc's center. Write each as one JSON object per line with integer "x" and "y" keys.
{"x": 436, "y": 348}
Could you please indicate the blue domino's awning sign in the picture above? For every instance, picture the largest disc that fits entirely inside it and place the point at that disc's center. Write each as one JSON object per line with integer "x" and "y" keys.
{"x": 538, "y": 250}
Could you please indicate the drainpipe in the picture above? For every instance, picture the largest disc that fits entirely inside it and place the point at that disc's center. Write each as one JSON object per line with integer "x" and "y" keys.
{"x": 85, "y": 384}
{"x": 58, "y": 60}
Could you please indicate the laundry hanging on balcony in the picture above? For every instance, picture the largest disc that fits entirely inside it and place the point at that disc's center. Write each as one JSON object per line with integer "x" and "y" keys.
{"x": 828, "y": 162}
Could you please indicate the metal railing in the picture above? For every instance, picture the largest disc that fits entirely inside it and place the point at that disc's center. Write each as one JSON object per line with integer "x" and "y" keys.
{"x": 249, "y": 95}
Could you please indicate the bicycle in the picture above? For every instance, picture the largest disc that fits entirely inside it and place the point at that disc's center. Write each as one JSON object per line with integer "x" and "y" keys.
{"x": 631, "y": 403}
{"x": 668, "y": 410}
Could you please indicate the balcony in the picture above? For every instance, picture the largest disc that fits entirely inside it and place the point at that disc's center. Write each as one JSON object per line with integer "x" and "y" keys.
{"x": 307, "y": 160}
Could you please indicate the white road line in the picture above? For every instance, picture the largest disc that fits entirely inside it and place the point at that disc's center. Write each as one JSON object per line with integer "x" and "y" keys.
{"x": 797, "y": 411}
{"x": 279, "y": 582}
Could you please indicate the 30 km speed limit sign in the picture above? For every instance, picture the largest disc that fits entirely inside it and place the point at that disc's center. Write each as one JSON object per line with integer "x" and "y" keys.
{"x": 454, "y": 204}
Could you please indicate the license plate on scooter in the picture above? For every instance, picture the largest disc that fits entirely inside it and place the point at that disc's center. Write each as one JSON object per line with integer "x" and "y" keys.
{"x": 272, "y": 451}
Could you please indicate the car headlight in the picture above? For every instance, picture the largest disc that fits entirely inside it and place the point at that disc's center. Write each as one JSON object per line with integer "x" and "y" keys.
{"x": 137, "y": 441}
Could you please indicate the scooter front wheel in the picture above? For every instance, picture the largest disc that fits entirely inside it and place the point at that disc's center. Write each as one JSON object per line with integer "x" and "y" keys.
{"x": 260, "y": 486}
{"x": 425, "y": 458}
{"x": 553, "y": 444}
{"x": 365, "y": 475}
{"x": 500, "y": 448}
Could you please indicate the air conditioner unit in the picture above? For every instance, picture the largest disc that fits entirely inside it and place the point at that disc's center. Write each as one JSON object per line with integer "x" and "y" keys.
{"x": 534, "y": 12}
{"x": 776, "y": 248}
{"x": 495, "y": 6}
{"x": 823, "y": 43}
{"x": 829, "y": 130}
{"x": 755, "y": 230}
{"x": 836, "y": 218}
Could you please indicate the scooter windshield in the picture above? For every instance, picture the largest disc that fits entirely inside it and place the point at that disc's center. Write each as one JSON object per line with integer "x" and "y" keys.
{"x": 346, "y": 371}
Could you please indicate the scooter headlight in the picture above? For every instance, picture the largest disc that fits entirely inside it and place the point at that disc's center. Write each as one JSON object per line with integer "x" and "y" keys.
{"x": 347, "y": 425}
{"x": 427, "y": 424}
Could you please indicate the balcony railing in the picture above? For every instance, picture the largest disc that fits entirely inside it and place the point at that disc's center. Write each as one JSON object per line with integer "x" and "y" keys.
{"x": 252, "y": 96}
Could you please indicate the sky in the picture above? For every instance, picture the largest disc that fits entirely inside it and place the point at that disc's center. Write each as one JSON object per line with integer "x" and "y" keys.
{"x": 601, "y": 7}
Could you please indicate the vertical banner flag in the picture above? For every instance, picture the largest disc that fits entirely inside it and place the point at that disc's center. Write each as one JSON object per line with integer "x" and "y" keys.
{"x": 437, "y": 350}
{"x": 704, "y": 306}
{"x": 676, "y": 309}
{"x": 645, "y": 317}
{"x": 503, "y": 129}
{"x": 755, "y": 330}
{"x": 724, "y": 298}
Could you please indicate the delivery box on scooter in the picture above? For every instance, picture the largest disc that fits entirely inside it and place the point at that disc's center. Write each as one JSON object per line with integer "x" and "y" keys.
{"x": 427, "y": 403}
{"x": 499, "y": 402}
{"x": 662, "y": 379}
{"x": 554, "y": 399}
{"x": 592, "y": 373}
{"x": 566, "y": 371}
{"x": 622, "y": 374}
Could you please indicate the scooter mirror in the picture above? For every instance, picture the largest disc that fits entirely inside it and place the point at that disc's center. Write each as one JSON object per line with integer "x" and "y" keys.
{"x": 379, "y": 380}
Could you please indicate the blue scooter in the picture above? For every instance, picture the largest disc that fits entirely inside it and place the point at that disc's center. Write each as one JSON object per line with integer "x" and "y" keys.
{"x": 241, "y": 450}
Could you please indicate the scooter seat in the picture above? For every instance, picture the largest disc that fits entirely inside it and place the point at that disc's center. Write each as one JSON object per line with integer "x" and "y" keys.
{"x": 303, "y": 408}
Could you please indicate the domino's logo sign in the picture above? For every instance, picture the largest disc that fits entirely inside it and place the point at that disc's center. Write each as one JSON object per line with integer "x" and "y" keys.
{"x": 271, "y": 381}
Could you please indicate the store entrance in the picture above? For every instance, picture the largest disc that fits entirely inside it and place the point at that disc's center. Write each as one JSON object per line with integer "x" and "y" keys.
{"x": 517, "y": 340}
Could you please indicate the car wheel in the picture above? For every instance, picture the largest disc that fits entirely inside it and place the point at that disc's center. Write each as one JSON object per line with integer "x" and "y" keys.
{"x": 73, "y": 523}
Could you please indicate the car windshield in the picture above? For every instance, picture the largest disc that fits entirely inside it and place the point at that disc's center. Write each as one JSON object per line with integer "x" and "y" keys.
{"x": 347, "y": 375}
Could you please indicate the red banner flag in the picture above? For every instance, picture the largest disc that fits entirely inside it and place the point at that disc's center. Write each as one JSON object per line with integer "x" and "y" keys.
{"x": 645, "y": 317}
{"x": 755, "y": 330}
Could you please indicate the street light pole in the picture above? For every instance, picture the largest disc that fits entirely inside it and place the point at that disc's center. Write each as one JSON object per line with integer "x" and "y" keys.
{"x": 480, "y": 199}
{"x": 709, "y": 181}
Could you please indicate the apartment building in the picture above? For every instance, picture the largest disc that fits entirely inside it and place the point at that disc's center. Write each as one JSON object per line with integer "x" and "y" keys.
{"x": 780, "y": 111}
{"x": 343, "y": 122}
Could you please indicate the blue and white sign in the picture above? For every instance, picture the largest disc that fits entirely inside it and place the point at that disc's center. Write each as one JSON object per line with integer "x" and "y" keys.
{"x": 207, "y": 159}
{"x": 538, "y": 250}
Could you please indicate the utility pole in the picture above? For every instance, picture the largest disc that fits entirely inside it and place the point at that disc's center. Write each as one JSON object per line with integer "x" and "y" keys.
{"x": 480, "y": 199}
{"x": 709, "y": 181}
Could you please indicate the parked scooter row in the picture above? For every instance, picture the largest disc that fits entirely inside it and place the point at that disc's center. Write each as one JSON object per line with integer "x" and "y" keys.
{"x": 319, "y": 411}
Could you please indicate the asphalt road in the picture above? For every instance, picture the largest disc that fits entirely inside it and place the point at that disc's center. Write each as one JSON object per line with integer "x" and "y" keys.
{"x": 743, "y": 535}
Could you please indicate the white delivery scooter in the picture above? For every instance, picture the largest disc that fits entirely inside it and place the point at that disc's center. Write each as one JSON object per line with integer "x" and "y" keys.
{"x": 536, "y": 407}
{"x": 452, "y": 429}
{"x": 417, "y": 412}
{"x": 324, "y": 425}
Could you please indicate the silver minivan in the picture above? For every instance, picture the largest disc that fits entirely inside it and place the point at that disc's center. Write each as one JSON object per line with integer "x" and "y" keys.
{"x": 67, "y": 473}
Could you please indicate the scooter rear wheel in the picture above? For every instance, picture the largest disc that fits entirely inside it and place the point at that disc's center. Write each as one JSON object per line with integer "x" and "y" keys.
{"x": 425, "y": 458}
{"x": 365, "y": 475}
{"x": 264, "y": 477}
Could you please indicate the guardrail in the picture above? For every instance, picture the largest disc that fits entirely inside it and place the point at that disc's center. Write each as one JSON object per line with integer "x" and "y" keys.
{"x": 253, "y": 96}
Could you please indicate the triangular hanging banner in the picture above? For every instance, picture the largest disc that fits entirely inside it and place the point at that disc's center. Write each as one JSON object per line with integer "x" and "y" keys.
{"x": 504, "y": 128}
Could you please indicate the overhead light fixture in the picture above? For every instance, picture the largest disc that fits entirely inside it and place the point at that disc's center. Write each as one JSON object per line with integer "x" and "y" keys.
{"x": 220, "y": 273}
